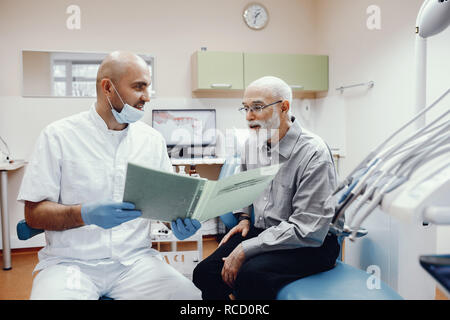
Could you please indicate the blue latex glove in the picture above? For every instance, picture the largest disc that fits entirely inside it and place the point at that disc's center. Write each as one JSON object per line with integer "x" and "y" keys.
{"x": 183, "y": 230}
{"x": 108, "y": 214}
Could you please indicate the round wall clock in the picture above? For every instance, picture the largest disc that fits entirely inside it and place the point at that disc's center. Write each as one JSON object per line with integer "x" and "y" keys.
{"x": 256, "y": 16}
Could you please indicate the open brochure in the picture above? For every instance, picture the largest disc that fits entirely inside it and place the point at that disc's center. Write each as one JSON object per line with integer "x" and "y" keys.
{"x": 167, "y": 196}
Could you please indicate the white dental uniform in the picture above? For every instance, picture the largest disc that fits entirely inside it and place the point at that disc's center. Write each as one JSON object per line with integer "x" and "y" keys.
{"x": 78, "y": 160}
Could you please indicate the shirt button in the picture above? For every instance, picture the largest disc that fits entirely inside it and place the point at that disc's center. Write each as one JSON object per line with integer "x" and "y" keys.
{"x": 260, "y": 218}
{"x": 265, "y": 198}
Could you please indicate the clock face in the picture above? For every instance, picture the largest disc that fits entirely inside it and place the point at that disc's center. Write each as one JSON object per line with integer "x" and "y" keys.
{"x": 256, "y": 16}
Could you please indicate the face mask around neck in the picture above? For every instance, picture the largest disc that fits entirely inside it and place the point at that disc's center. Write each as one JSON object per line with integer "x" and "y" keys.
{"x": 128, "y": 114}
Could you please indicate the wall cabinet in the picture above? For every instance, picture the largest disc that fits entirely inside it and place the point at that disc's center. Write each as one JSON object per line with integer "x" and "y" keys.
{"x": 217, "y": 71}
{"x": 301, "y": 72}
{"x": 235, "y": 71}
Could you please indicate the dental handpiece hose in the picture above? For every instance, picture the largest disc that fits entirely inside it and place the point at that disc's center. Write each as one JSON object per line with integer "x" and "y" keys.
{"x": 376, "y": 150}
{"x": 384, "y": 155}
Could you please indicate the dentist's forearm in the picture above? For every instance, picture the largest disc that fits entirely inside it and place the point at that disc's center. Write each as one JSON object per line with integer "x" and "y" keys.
{"x": 52, "y": 216}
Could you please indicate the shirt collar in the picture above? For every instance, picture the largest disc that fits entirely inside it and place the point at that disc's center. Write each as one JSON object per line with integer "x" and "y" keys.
{"x": 287, "y": 143}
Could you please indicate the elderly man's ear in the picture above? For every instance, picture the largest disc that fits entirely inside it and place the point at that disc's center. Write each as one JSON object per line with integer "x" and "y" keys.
{"x": 285, "y": 106}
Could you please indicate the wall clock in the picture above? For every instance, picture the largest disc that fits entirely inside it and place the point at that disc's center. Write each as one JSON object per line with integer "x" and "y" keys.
{"x": 256, "y": 16}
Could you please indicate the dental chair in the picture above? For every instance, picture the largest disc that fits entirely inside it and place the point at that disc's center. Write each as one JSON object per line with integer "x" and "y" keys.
{"x": 343, "y": 282}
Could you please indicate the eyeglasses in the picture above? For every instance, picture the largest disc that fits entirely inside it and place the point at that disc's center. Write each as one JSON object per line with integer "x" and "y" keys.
{"x": 257, "y": 108}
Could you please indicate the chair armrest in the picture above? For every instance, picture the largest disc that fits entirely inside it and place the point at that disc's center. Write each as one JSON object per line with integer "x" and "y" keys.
{"x": 25, "y": 232}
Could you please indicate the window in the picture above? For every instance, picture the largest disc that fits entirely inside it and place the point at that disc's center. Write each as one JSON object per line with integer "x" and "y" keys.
{"x": 76, "y": 74}
{"x": 75, "y": 78}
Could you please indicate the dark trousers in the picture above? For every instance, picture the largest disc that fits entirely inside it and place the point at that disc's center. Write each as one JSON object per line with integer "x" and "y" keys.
{"x": 263, "y": 275}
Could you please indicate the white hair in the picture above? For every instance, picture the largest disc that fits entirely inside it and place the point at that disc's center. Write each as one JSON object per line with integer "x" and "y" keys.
{"x": 277, "y": 87}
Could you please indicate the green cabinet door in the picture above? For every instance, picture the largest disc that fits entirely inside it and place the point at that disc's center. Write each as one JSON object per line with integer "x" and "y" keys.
{"x": 217, "y": 70}
{"x": 301, "y": 72}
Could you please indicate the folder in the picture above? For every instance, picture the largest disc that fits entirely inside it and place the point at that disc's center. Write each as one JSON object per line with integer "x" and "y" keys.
{"x": 166, "y": 196}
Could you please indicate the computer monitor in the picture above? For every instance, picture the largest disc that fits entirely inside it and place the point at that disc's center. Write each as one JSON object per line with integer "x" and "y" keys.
{"x": 186, "y": 127}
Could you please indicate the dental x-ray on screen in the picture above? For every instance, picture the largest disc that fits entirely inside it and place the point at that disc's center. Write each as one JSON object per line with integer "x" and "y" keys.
{"x": 186, "y": 127}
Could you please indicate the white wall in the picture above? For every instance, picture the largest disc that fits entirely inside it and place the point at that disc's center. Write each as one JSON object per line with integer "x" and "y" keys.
{"x": 171, "y": 30}
{"x": 358, "y": 55}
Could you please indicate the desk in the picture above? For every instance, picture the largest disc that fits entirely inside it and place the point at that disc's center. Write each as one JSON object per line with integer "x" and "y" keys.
{"x": 208, "y": 168}
{"x": 4, "y": 168}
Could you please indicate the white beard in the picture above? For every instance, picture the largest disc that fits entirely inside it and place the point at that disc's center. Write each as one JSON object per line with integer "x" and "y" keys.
{"x": 267, "y": 129}
{"x": 258, "y": 138}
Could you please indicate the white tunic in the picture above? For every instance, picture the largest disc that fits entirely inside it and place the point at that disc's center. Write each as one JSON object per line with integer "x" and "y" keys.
{"x": 77, "y": 160}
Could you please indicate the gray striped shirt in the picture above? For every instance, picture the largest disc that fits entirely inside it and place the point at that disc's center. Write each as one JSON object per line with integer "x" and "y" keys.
{"x": 293, "y": 209}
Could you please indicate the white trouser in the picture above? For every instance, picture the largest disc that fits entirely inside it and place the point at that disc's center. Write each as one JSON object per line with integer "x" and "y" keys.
{"x": 147, "y": 278}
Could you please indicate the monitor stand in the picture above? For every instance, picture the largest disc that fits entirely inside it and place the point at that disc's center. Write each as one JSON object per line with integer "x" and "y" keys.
{"x": 176, "y": 152}
{"x": 184, "y": 153}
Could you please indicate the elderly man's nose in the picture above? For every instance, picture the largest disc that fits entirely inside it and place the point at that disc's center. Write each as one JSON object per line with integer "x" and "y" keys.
{"x": 250, "y": 116}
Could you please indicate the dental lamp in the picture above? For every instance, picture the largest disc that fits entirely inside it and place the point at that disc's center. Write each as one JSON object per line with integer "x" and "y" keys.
{"x": 433, "y": 18}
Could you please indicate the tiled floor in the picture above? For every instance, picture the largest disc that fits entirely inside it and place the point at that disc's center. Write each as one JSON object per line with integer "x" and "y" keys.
{"x": 15, "y": 284}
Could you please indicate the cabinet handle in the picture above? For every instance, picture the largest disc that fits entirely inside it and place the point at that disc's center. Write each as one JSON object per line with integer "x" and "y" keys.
{"x": 296, "y": 86}
{"x": 221, "y": 85}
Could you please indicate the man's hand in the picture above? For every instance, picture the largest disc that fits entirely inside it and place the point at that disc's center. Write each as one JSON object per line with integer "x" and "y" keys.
{"x": 242, "y": 227}
{"x": 232, "y": 264}
{"x": 108, "y": 214}
{"x": 183, "y": 230}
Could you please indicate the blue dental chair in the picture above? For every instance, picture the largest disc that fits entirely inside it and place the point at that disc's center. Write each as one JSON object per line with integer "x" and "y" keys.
{"x": 343, "y": 282}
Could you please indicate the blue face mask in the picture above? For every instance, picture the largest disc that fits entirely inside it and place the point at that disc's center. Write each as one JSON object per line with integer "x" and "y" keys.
{"x": 128, "y": 114}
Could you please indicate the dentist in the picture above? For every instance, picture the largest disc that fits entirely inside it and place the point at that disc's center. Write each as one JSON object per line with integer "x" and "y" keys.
{"x": 97, "y": 245}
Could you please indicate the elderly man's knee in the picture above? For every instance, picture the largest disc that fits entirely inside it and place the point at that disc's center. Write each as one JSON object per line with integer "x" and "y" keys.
{"x": 199, "y": 274}
{"x": 252, "y": 283}
{"x": 247, "y": 275}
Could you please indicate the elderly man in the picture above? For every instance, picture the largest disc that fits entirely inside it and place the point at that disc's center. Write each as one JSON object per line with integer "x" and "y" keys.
{"x": 96, "y": 244}
{"x": 289, "y": 238}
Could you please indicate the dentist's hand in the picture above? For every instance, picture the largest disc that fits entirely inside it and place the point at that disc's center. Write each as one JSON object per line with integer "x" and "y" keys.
{"x": 108, "y": 214}
{"x": 183, "y": 230}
